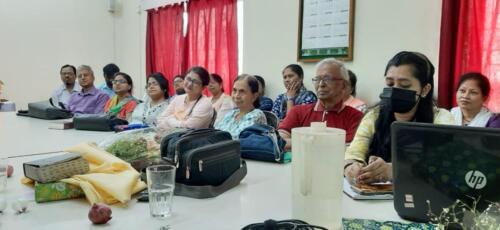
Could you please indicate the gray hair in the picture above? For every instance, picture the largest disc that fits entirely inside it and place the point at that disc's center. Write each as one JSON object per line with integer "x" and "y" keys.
{"x": 85, "y": 67}
{"x": 333, "y": 61}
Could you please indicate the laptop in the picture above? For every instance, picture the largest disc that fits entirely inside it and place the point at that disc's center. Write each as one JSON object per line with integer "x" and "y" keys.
{"x": 434, "y": 165}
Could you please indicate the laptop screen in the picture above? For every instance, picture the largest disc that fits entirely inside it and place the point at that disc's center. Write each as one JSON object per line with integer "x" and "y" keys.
{"x": 434, "y": 165}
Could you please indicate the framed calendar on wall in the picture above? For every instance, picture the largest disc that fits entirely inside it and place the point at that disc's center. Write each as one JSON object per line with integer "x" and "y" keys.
{"x": 326, "y": 29}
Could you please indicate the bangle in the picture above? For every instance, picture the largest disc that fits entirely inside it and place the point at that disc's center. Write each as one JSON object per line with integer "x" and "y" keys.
{"x": 290, "y": 98}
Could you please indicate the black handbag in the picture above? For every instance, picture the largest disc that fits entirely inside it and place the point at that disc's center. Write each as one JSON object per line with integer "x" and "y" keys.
{"x": 208, "y": 161}
{"x": 103, "y": 122}
{"x": 45, "y": 110}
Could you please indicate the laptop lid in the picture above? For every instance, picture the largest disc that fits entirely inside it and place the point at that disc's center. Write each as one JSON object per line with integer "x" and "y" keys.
{"x": 434, "y": 165}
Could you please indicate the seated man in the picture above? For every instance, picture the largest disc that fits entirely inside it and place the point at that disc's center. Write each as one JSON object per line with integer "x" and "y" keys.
{"x": 63, "y": 92}
{"x": 108, "y": 72}
{"x": 330, "y": 84}
{"x": 89, "y": 100}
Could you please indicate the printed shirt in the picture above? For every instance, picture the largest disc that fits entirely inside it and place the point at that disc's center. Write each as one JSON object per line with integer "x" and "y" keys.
{"x": 304, "y": 97}
{"x": 125, "y": 109}
{"x": 90, "y": 102}
{"x": 358, "y": 150}
{"x": 231, "y": 125}
{"x": 61, "y": 94}
{"x": 147, "y": 114}
{"x": 340, "y": 116}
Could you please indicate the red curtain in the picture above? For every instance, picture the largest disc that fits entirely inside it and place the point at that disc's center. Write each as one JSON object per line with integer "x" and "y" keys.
{"x": 469, "y": 42}
{"x": 165, "y": 42}
{"x": 212, "y": 38}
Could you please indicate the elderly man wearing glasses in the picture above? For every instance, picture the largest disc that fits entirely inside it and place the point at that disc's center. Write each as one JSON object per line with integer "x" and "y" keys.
{"x": 191, "y": 110}
{"x": 89, "y": 100}
{"x": 330, "y": 83}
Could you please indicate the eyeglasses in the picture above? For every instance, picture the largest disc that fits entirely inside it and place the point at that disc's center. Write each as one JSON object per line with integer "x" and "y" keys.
{"x": 193, "y": 81}
{"x": 153, "y": 83}
{"x": 119, "y": 81}
{"x": 327, "y": 80}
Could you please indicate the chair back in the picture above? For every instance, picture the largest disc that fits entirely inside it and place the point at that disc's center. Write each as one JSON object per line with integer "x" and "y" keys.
{"x": 271, "y": 119}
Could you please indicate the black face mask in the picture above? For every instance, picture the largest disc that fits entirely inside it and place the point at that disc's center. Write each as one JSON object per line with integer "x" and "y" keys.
{"x": 398, "y": 100}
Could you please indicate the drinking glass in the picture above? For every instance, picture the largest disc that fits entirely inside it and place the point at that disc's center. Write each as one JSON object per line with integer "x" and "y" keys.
{"x": 161, "y": 184}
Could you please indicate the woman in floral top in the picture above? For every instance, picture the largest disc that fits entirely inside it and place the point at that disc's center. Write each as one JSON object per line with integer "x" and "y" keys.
{"x": 296, "y": 93}
{"x": 246, "y": 98}
{"x": 157, "y": 100}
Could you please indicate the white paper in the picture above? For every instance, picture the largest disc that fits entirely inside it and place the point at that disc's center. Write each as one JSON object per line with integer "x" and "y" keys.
{"x": 325, "y": 24}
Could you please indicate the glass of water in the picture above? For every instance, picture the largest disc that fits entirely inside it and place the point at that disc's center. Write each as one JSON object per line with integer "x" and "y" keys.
{"x": 3, "y": 173}
{"x": 161, "y": 184}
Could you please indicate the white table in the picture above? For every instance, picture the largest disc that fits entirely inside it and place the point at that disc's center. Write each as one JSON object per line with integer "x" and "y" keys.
{"x": 263, "y": 194}
{"x": 25, "y": 135}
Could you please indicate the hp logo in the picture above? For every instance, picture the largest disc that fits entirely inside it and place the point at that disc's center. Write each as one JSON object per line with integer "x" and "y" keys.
{"x": 475, "y": 179}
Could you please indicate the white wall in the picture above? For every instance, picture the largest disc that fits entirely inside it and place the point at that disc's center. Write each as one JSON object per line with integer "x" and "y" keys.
{"x": 382, "y": 28}
{"x": 38, "y": 37}
{"x": 130, "y": 42}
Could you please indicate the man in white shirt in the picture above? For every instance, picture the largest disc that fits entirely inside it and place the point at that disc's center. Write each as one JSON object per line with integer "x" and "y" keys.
{"x": 108, "y": 72}
{"x": 69, "y": 86}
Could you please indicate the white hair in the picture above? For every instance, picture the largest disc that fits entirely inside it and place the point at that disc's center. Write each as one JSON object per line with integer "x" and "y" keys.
{"x": 333, "y": 61}
{"x": 85, "y": 67}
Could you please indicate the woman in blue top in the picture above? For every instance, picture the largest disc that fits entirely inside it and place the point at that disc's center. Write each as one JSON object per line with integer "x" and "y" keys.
{"x": 246, "y": 98}
{"x": 296, "y": 93}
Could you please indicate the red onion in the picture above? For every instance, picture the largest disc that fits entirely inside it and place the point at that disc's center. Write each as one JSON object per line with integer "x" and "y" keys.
{"x": 99, "y": 214}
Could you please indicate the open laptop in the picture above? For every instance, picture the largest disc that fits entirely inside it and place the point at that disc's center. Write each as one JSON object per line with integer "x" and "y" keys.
{"x": 434, "y": 165}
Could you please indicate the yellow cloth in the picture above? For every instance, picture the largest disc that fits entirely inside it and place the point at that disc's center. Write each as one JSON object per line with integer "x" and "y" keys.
{"x": 109, "y": 180}
{"x": 366, "y": 129}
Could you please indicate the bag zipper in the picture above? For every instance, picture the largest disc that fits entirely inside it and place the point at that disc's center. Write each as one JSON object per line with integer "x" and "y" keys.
{"x": 189, "y": 158}
{"x": 202, "y": 134}
{"x": 212, "y": 159}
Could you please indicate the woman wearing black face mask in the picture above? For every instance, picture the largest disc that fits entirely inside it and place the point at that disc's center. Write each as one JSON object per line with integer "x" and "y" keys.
{"x": 407, "y": 97}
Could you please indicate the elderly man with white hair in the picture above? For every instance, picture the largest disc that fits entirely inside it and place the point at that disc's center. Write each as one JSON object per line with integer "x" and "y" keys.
{"x": 89, "y": 100}
{"x": 330, "y": 83}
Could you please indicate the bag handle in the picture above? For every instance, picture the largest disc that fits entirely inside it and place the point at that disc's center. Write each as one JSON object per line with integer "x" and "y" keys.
{"x": 208, "y": 191}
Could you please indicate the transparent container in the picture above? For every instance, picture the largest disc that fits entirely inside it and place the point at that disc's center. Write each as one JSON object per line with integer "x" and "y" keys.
{"x": 317, "y": 174}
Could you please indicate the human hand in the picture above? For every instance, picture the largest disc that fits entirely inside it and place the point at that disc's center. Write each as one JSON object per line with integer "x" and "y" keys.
{"x": 292, "y": 89}
{"x": 352, "y": 172}
{"x": 377, "y": 170}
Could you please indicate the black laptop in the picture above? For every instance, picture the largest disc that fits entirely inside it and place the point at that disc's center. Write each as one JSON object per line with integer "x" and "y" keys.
{"x": 434, "y": 165}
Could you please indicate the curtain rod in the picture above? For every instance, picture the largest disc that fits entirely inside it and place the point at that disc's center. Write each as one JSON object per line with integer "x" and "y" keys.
{"x": 154, "y": 4}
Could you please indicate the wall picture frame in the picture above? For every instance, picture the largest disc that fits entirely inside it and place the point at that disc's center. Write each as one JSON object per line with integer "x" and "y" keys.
{"x": 326, "y": 29}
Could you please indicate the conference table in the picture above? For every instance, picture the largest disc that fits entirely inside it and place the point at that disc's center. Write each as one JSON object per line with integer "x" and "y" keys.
{"x": 265, "y": 193}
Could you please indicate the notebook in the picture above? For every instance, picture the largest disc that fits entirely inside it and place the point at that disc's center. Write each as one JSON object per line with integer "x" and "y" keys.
{"x": 434, "y": 165}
